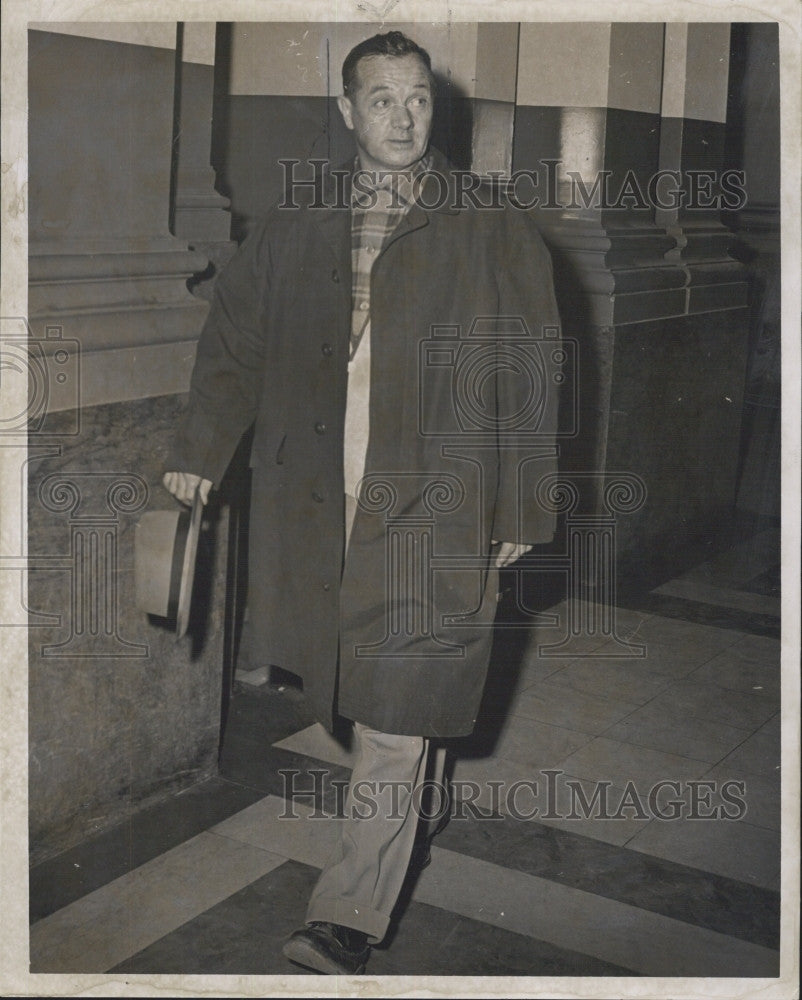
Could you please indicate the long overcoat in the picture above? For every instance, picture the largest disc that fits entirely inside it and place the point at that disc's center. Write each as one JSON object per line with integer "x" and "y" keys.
{"x": 396, "y": 633}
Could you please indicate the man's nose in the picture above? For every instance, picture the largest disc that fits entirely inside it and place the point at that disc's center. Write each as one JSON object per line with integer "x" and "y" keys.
{"x": 401, "y": 117}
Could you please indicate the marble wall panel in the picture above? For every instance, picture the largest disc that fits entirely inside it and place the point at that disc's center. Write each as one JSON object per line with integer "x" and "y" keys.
{"x": 119, "y": 713}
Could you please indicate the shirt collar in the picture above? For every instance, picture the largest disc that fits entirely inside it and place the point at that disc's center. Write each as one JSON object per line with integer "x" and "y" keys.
{"x": 402, "y": 184}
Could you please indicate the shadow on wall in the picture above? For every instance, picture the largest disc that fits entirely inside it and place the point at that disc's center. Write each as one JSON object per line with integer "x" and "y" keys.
{"x": 452, "y": 131}
{"x": 753, "y": 129}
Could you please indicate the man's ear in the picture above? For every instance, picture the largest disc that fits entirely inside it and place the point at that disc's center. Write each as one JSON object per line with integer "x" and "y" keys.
{"x": 344, "y": 104}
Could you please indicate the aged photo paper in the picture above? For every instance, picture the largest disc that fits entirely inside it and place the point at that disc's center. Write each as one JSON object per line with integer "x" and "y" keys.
{"x": 628, "y": 820}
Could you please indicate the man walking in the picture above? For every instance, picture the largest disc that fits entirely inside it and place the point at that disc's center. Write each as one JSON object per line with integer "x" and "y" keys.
{"x": 384, "y": 332}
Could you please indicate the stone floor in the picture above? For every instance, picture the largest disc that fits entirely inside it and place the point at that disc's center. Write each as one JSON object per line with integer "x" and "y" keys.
{"x": 616, "y": 815}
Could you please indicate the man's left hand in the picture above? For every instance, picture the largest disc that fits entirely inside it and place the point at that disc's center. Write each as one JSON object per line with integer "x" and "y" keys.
{"x": 509, "y": 552}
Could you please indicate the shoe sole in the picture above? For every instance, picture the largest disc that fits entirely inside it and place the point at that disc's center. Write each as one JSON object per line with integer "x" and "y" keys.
{"x": 302, "y": 953}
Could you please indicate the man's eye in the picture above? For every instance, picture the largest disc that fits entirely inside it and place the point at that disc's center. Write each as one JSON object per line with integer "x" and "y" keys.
{"x": 420, "y": 102}
{"x": 381, "y": 103}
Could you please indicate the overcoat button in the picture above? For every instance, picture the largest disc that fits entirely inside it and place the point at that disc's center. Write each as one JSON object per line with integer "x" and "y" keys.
{"x": 335, "y": 276}
{"x": 320, "y": 428}
{"x": 327, "y": 350}
{"x": 317, "y": 497}
{"x": 327, "y": 586}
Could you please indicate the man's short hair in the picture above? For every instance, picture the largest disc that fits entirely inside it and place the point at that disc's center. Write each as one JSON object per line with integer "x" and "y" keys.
{"x": 394, "y": 43}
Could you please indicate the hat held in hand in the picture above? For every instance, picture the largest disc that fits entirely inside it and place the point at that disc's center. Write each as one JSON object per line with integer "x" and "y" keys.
{"x": 165, "y": 549}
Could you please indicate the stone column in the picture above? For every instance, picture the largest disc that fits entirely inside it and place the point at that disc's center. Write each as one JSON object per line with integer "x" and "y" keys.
{"x": 494, "y": 98}
{"x": 654, "y": 302}
{"x": 200, "y": 214}
{"x": 692, "y": 149}
{"x": 104, "y": 268}
{"x": 753, "y": 134}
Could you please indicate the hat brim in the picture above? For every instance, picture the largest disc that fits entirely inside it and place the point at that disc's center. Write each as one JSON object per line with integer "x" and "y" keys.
{"x": 165, "y": 553}
{"x": 187, "y": 579}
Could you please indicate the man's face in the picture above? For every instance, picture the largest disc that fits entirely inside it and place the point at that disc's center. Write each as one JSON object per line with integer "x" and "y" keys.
{"x": 390, "y": 111}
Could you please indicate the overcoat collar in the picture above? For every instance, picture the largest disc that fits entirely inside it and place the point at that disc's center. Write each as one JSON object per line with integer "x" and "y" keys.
{"x": 439, "y": 194}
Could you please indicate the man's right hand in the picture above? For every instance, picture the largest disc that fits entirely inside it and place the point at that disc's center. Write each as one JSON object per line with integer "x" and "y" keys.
{"x": 183, "y": 485}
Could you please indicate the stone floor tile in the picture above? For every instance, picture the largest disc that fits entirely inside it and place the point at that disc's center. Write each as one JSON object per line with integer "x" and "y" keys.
{"x": 537, "y": 743}
{"x": 661, "y": 727}
{"x": 701, "y": 700}
{"x": 645, "y": 942}
{"x": 761, "y": 794}
{"x": 672, "y": 659}
{"x": 760, "y": 754}
{"x": 744, "y": 673}
{"x": 631, "y": 681}
{"x": 578, "y": 806}
{"x": 604, "y": 759}
{"x": 315, "y": 741}
{"x": 584, "y": 713}
{"x": 151, "y": 831}
{"x": 538, "y": 669}
{"x": 733, "y": 848}
{"x": 488, "y": 782}
{"x": 241, "y": 935}
{"x": 101, "y": 929}
{"x": 661, "y": 629}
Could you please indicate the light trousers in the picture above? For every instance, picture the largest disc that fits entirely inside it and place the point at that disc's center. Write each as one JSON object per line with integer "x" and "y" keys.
{"x": 389, "y": 793}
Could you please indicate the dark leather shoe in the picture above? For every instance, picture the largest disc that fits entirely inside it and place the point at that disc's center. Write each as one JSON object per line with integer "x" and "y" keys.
{"x": 329, "y": 948}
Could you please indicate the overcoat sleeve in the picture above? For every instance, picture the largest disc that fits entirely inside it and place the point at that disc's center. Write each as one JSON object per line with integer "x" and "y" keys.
{"x": 526, "y": 289}
{"x": 228, "y": 372}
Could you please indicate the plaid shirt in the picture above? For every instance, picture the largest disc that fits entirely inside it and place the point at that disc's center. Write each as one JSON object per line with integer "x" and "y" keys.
{"x": 376, "y": 209}
{"x": 375, "y": 213}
